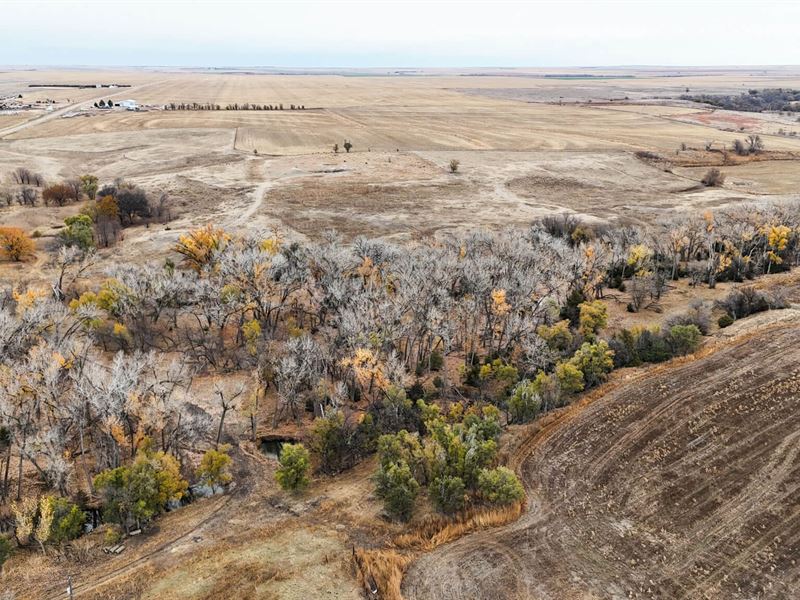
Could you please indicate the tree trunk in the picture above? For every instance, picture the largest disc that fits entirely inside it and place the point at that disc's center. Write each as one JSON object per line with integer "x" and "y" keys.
{"x": 83, "y": 461}
{"x": 5, "y": 476}
{"x": 221, "y": 422}
{"x": 19, "y": 478}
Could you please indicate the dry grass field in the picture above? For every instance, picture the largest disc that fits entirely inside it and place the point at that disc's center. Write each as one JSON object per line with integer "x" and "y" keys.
{"x": 519, "y": 160}
{"x": 522, "y": 154}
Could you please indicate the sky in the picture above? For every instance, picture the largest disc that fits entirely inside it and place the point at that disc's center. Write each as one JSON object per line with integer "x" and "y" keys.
{"x": 398, "y": 34}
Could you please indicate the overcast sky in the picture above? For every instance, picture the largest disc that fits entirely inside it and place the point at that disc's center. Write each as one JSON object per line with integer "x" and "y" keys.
{"x": 389, "y": 33}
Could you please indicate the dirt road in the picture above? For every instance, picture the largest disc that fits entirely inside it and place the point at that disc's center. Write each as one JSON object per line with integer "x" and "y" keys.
{"x": 681, "y": 485}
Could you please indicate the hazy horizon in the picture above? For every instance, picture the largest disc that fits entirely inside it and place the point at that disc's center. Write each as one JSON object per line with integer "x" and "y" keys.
{"x": 397, "y": 67}
{"x": 391, "y": 34}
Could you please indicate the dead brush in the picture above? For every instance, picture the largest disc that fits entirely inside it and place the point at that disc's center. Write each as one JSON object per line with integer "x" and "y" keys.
{"x": 381, "y": 571}
{"x": 436, "y": 530}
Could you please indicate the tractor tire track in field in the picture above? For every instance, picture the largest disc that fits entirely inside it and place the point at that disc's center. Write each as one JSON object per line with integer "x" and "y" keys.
{"x": 680, "y": 483}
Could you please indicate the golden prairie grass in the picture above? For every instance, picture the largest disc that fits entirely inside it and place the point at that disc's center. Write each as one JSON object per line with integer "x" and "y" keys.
{"x": 436, "y": 530}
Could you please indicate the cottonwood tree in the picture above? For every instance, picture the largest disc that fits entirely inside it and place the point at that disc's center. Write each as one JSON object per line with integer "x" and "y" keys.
{"x": 214, "y": 468}
{"x": 27, "y": 196}
{"x": 15, "y": 245}
{"x": 293, "y": 473}
{"x": 754, "y": 144}
{"x": 200, "y": 247}
{"x": 35, "y": 402}
{"x": 58, "y": 194}
{"x": 212, "y": 341}
{"x": 161, "y": 410}
{"x": 107, "y": 221}
{"x": 266, "y": 275}
{"x": 297, "y": 371}
{"x": 112, "y": 393}
{"x": 89, "y": 185}
{"x": 132, "y": 202}
{"x": 23, "y": 176}
{"x": 71, "y": 263}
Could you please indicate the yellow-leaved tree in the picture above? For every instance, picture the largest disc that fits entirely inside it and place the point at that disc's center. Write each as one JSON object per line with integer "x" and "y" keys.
{"x": 639, "y": 259}
{"x": 593, "y": 317}
{"x": 45, "y": 524}
{"x": 24, "y": 517}
{"x": 368, "y": 370}
{"x": 778, "y": 239}
{"x": 214, "y": 468}
{"x": 199, "y": 246}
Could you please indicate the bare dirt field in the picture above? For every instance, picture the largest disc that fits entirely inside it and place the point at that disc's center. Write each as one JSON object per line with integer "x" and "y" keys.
{"x": 680, "y": 485}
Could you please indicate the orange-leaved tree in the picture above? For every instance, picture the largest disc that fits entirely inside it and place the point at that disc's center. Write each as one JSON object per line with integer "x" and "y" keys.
{"x": 15, "y": 244}
{"x": 58, "y": 193}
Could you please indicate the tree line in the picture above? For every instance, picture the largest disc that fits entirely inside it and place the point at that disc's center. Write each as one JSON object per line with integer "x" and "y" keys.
{"x": 753, "y": 100}
{"x": 230, "y": 106}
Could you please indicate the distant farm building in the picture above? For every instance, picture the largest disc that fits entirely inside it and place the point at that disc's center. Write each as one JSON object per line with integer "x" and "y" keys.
{"x": 128, "y": 105}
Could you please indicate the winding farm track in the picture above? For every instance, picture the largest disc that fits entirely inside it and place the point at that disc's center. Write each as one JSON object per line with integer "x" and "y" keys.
{"x": 679, "y": 485}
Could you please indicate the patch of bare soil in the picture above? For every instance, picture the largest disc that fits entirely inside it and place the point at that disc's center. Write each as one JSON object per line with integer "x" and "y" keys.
{"x": 682, "y": 484}
{"x": 197, "y": 197}
{"x": 353, "y": 208}
{"x": 723, "y": 118}
{"x": 525, "y": 186}
{"x": 294, "y": 563}
{"x": 386, "y": 194}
